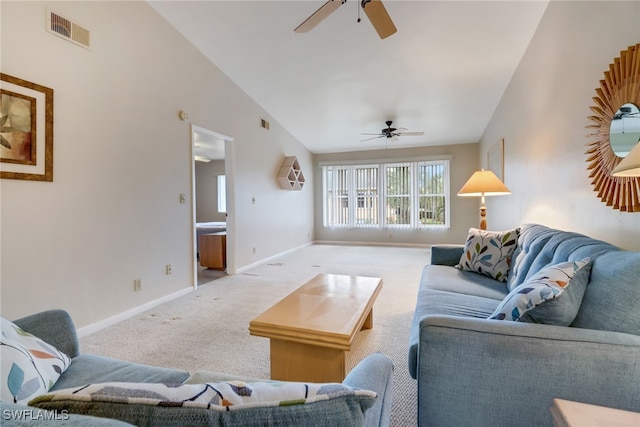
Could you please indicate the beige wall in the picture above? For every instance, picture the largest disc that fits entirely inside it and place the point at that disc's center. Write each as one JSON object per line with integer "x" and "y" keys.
{"x": 464, "y": 210}
{"x": 122, "y": 157}
{"x": 542, "y": 117}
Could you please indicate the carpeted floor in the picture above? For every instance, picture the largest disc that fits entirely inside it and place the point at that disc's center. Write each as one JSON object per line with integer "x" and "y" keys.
{"x": 208, "y": 329}
{"x": 205, "y": 275}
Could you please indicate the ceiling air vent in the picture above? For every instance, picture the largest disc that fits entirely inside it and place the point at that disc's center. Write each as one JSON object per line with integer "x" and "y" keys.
{"x": 67, "y": 29}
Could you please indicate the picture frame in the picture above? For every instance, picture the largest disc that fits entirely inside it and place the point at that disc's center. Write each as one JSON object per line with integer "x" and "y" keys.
{"x": 26, "y": 130}
{"x": 495, "y": 159}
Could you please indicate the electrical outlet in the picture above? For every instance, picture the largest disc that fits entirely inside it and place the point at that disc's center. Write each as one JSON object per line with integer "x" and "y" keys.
{"x": 137, "y": 285}
{"x": 254, "y": 250}
{"x": 167, "y": 269}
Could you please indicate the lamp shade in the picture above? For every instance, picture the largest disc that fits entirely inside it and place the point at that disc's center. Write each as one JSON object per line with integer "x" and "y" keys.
{"x": 630, "y": 165}
{"x": 484, "y": 183}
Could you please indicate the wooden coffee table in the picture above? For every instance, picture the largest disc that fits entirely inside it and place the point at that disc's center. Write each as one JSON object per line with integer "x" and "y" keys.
{"x": 567, "y": 413}
{"x": 312, "y": 328}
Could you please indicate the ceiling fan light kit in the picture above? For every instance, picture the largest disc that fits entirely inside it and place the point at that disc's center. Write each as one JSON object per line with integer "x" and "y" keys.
{"x": 374, "y": 9}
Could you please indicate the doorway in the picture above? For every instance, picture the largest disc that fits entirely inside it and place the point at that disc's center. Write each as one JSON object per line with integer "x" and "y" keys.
{"x": 212, "y": 189}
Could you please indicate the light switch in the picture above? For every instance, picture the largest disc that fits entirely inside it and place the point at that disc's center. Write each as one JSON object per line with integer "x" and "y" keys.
{"x": 183, "y": 198}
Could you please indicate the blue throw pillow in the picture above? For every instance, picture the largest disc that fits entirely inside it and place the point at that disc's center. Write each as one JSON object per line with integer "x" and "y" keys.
{"x": 552, "y": 296}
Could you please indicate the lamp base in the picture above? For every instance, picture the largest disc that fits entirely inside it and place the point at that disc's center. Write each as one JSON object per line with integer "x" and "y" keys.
{"x": 483, "y": 217}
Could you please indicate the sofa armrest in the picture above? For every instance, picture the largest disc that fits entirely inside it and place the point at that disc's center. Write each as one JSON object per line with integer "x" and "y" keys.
{"x": 507, "y": 372}
{"x": 54, "y": 327}
{"x": 375, "y": 373}
{"x": 446, "y": 254}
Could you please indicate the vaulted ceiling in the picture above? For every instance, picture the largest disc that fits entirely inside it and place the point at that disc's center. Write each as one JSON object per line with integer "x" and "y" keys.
{"x": 443, "y": 72}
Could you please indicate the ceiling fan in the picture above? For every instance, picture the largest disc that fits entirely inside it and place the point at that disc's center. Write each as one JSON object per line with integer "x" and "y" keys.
{"x": 374, "y": 9}
{"x": 392, "y": 134}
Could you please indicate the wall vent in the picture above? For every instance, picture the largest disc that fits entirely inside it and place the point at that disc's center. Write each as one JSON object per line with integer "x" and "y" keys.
{"x": 264, "y": 124}
{"x": 67, "y": 29}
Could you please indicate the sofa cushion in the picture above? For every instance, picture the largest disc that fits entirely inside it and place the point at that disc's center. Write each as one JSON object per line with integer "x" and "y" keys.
{"x": 454, "y": 304}
{"x": 90, "y": 368}
{"x": 540, "y": 247}
{"x": 445, "y": 278}
{"x": 221, "y": 403}
{"x": 612, "y": 299}
{"x": 435, "y": 302}
{"x": 489, "y": 252}
{"x": 552, "y": 296}
{"x": 29, "y": 366}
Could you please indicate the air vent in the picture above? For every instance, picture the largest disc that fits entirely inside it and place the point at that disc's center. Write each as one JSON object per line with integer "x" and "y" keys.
{"x": 67, "y": 29}
{"x": 264, "y": 124}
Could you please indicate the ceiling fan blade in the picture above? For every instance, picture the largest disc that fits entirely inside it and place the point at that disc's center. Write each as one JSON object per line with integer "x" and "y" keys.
{"x": 380, "y": 19}
{"x": 369, "y": 139}
{"x": 379, "y": 134}
{"x": 410, "y": 133}
{"x": 318, "y": 16}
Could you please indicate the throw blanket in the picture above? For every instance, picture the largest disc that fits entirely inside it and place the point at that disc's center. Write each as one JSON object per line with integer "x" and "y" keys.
{"x": 222, "y": 396}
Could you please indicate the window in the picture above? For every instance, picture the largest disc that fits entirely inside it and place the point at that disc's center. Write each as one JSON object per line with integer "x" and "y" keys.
{"x": 222, "y": 193}
{"x": 351, "y": 196}
{"x": 432, "y": 191}
{"x": 336, "y": 201}
{"x": 399, "y": 195}
{"x": 366, "y": 189}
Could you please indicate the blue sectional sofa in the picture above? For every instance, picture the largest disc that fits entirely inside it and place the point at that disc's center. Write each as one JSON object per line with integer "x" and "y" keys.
{"x": 56, "y": 328}
{"x": 475, "y": 371}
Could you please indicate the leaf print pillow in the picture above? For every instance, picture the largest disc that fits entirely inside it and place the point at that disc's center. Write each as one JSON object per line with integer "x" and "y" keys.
{"x": 489, "y": 252}
{"x": 30, "y": 366}
{"x": 552, "y": 296}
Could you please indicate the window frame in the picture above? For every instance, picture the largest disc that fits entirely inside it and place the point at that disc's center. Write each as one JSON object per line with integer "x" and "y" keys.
{"x": 353, "y": 196}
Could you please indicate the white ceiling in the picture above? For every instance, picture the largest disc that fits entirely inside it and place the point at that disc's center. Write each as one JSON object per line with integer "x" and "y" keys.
{"x": 443, "y": 72}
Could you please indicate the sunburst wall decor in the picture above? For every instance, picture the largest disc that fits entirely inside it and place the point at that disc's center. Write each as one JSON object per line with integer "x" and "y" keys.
{"x": 621, "y": 85}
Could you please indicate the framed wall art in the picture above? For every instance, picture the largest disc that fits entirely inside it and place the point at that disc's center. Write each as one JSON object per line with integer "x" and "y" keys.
{"x": 495, "y": 159}
{"x": 26, "y": 130}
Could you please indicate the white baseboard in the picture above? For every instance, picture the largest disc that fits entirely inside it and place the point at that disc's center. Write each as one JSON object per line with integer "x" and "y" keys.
{"x": 94, "y": 327}
{"x": 393, "y": 244}
{"x": 271, "y": 258}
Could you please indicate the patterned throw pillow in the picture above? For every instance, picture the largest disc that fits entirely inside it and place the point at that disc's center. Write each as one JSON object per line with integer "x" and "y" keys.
{"x": 489, "y": 252}
{"x": 552, "y": 296}
{"x": 30, "y": 366}
{"x": 224, "y": 403}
